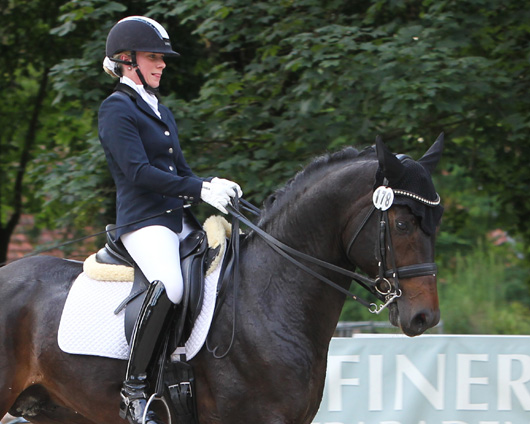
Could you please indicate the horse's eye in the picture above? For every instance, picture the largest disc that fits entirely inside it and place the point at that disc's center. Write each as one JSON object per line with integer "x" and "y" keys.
{"x": 402, "y": 226}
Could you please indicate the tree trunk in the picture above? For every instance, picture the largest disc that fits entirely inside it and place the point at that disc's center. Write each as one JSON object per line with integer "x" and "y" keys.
{"x": 25, "y": 155}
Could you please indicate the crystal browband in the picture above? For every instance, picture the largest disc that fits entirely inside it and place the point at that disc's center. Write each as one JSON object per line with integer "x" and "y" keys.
{"x": 419, "y": 198}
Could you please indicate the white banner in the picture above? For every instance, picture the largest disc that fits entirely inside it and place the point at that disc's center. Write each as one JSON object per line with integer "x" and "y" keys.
{"x": 431, "y": 379}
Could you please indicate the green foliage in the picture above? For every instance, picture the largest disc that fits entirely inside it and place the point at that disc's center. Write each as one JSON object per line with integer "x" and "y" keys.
{"x": 30, "y": 123}
{"x": 327, "y": 74}
{"x": 479, "y": 294}
{"x": 85, "y": 186}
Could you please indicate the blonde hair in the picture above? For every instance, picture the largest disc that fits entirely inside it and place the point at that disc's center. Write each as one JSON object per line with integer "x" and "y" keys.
{"x": 114, "y": 69}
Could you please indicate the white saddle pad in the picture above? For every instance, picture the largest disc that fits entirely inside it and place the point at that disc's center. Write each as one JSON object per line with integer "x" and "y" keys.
{"x": 89, "y": 326}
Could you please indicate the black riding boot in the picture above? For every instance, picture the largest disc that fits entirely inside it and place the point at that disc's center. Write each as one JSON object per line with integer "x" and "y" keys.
{"x": 146, "y": 338}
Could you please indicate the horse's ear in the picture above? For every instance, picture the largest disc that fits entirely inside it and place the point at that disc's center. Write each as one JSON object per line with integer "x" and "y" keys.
{"x": 391, "y": 166}
{"x": 431, "y": 158}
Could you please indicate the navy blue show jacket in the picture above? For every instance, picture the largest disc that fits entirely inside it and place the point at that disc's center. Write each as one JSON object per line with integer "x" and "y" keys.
{"x": 145, "y": 159}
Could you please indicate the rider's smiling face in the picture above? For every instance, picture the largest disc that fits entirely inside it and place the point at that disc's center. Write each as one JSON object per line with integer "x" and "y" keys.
{"x": 151, "y": 65}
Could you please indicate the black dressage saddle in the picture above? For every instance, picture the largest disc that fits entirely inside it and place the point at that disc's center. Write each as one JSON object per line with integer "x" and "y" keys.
{"x": 195, "y": 257}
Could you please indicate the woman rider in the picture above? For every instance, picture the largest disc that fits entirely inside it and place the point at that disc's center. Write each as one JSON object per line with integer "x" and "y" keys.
{"x": 140, "y": 139}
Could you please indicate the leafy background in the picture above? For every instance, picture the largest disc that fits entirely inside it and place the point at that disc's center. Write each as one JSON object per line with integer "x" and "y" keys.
{"x": 262, "y": 87}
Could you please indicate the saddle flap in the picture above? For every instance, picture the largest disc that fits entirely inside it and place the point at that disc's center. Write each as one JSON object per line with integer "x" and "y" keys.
{"x": 193, "y": 270}
{"x": 230, "y": 265}
{"x": 193, "y": 241}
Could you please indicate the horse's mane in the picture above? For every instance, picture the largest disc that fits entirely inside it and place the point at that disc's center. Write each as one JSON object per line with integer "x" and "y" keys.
{"x": 346, "y": 155}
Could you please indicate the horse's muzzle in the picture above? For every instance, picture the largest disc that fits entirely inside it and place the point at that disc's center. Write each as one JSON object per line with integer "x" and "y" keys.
{"x": 421, "y": 322}
{"x": 418, "y": 309}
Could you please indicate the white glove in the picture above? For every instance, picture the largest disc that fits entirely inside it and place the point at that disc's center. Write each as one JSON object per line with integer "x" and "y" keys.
{"x": 229, "y": 183}
{"x": 216, "y": 194}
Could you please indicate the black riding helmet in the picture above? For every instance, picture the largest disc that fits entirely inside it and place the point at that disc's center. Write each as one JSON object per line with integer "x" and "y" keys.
{"x": 138, "y": 34}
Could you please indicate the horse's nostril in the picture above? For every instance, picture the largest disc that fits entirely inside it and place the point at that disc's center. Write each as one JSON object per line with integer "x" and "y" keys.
{"x": 420, "y": 320}
{"x": 424, "y": 320}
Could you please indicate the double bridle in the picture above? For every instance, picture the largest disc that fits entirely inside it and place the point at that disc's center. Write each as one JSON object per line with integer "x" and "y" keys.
{"x": 380, "y": 286}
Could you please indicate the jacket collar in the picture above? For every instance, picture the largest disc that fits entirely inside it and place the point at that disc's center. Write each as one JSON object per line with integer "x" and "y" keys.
{"x": 141, "y": 103}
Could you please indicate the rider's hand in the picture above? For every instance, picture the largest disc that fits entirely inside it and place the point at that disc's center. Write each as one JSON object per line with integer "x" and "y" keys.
{"x": 229, "y": 183}
{"x": 216, "y": 194}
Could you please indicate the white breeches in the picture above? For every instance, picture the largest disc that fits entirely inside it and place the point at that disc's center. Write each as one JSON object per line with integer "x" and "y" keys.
{"x": 155, "y": 249}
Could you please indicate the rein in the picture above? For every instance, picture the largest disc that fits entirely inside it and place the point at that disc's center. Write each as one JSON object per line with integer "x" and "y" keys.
{"x": 381, "y": 287}
{"x": 288, "y": 253}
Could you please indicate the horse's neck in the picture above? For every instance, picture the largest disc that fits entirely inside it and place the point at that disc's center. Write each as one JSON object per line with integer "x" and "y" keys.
{"x": 286, "y": 299}
{"x": 312, "y": 223}
{"x": 315, "y": 217}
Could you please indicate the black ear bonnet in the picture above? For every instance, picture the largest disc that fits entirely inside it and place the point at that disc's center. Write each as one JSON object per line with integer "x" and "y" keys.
{"x": 403, "y": 173}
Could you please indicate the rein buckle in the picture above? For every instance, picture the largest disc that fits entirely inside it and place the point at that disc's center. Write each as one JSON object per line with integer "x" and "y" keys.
{"x": 377, "y": 309}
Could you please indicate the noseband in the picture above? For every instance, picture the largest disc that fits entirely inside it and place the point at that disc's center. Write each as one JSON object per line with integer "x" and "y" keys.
{"x": 380, "y": 286}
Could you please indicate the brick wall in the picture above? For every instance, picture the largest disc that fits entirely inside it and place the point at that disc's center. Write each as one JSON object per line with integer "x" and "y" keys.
{"x": 26, "y": 239}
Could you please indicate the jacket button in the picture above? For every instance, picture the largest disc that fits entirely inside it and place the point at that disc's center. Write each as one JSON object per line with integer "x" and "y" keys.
{"x": 171, "y": 168}
{"x": 171, "y": 150}
{"x": 166, "y": 133}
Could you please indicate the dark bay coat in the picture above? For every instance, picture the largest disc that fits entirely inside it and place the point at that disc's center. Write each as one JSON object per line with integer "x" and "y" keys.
{"x": 145, "y": 159}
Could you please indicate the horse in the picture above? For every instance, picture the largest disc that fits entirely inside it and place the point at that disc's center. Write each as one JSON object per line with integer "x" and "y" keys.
{"x": 273, "y": 371}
